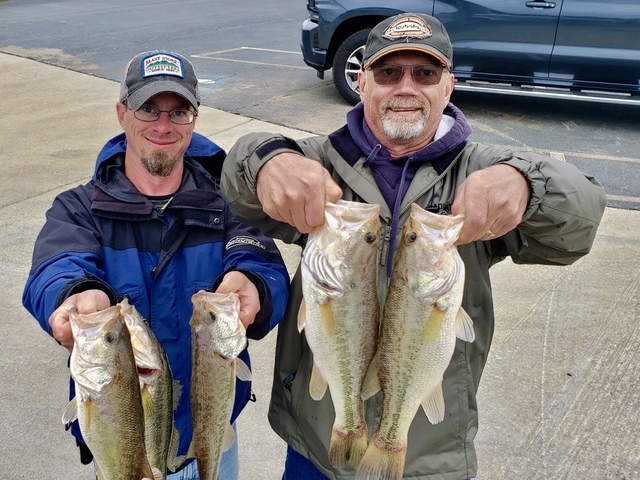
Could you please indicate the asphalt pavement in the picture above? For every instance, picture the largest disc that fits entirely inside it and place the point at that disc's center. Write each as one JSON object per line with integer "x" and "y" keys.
{"x": 560, "y": 395}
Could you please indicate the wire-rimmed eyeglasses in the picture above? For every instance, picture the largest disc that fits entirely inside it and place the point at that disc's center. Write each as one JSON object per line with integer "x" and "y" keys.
{"x": 147, "y": 113}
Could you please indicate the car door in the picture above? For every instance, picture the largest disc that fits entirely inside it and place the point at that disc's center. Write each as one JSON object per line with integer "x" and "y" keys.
{"x": 598, "y": 44}
{"x": 500, "y": 38}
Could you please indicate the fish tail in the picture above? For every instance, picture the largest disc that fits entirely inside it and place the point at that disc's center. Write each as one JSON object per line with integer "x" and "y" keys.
{"x": 347, "y": 447}
{"x": 382, "y": 462}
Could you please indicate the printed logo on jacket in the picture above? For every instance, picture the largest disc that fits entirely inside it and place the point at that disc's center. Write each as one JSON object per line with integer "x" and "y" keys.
{"x": 235, "y": 241}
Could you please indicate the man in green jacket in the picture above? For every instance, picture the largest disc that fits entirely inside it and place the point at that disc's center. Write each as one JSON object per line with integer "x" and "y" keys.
{"x": 406, "y": 143}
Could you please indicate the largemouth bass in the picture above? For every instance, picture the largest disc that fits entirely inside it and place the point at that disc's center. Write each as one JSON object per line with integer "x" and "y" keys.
{"x": 108, "y": 403}
{"x": 340, "y": 315}
{"x": 421, "y": 320}
{"x": 156, "y": 387}
{"x": 217, "y": 337}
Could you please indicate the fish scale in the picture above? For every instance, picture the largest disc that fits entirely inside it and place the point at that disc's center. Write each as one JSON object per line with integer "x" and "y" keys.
{"x": 157, "y": 388}
{"x": 340, "y": 315}
{"x": 108, "y": 402}
{"x": 218, "y": 337}
{"x": 421, "y": 320}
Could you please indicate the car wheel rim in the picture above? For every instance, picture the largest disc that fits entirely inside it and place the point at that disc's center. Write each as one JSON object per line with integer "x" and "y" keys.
{"x": 352, "y": 67}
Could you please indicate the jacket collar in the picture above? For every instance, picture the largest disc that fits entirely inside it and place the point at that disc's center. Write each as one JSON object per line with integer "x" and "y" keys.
{"x": 114, "y": 195}
{"x": 201, "y": 149}
{"x": 355, "y": 139}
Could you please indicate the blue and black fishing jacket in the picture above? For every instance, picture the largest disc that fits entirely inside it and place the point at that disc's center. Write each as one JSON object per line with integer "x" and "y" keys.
{"x": 106, "y": 235}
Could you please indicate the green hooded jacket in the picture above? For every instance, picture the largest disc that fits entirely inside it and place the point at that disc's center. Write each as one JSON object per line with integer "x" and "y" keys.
{"x": 559, "y": 227}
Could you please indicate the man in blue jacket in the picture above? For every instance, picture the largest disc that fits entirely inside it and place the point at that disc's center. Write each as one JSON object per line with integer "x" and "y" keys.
{"x": 152, "y": 226}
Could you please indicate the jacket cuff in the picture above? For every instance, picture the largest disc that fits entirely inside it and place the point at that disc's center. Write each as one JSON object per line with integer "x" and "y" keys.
{"x": 265, "y": 152}
{"x": 536, "y": 181}
{"x": 84, "y": 283}
{"x": 261, "y": 324}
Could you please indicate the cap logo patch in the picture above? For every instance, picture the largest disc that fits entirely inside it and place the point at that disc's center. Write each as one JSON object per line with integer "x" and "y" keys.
{"x": 162, "y": 64}
{"x": 407, "y": 27}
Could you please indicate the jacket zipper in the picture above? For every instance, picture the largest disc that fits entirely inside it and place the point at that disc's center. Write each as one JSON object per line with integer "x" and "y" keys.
{"x": 387, "y": 255}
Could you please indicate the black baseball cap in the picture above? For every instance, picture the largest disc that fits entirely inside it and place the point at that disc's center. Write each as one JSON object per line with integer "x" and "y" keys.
{"x": 409, "y": 31}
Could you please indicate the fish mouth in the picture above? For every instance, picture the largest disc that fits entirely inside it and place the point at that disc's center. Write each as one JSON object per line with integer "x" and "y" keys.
{"x": 146, "y": 372}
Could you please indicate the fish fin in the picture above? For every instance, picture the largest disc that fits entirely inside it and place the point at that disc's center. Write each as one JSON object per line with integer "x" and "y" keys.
{"x": 173, "y": 460}
{"x": 70, "y": 413}
{"x": 317, "y": 384}
{"x": 191, "y": 452}
{"x": 157, "y": 474}
{"x": 99, "y": 474}
{"x": 452, "y": 233}
{"x": 433, "y": 325}
{"x": 464, "y": 326}
{"x": 433, "y": 405}
{"x": 177, "y": 460}
{"x": 380, "y": 462}
{"x": 177, "y": 391}
{"x": 148, "y": 473}
{"x": 147, "y": 402}
{"x": 371, "y": 381}
{"x": 85, "y": 426}
{"x": 347, "y": 447}
{"x": 242, "y": 370}
{"x": 229, "y": 438}
{"x": 328, "y": 322}
{"x": 302, "y": 316}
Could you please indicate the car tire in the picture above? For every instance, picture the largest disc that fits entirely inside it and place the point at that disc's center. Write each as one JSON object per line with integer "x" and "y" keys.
{"x": 347, "y": 63}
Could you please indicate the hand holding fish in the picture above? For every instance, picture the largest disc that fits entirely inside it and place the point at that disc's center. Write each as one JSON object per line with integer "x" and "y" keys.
{"x": 294, "y": 189}
{"x": 237, "y": 282}
{"x": 493, "y": 201}
{"x": 86, "y": 302}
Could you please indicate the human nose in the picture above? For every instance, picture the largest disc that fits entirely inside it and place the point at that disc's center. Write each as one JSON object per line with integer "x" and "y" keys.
{"x": 164, "y": 120}
{"x": 406, "y": 78}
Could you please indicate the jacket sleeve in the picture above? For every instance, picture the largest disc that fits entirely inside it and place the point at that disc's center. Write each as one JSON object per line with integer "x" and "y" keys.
{"x": 257, "y": 256}
{"x": 564, "y": 212}
{"x": 240, "y": 170}
{"x": 66, "y": 258}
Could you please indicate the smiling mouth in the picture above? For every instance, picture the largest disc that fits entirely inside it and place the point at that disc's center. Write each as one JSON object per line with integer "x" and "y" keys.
{"x": 405, "y": 109}
{"x": 160, "y": 143}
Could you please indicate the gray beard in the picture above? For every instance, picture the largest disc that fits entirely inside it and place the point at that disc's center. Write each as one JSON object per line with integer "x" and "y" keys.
{"x": 402, "y": 130}
{"x": 159, "y": 163}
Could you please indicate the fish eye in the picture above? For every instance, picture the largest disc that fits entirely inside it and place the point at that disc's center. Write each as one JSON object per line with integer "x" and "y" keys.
{"x": 111, "y": 337}
{"x": 370, "y": 237}
{"x": 211, "y": 318}
{"x": 411, "y": 237}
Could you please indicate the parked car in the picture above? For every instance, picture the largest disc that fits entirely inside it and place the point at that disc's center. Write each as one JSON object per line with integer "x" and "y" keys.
{"x": 582, "y": 48}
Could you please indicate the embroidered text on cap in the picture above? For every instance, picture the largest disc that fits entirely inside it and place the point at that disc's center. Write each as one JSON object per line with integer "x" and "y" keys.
{"x": 162, "y": 64}
{"x": 408, "y": 27}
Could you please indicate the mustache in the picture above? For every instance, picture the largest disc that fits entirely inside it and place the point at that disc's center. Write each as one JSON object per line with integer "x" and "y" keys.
{"x": 404, "y": 103}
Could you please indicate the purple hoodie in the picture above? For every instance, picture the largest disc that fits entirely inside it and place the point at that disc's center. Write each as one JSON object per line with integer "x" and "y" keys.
{"x": 393, "y": 175}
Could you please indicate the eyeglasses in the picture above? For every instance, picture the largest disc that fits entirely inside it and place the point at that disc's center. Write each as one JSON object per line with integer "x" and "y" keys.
{"x": 389, "y": 74}
{"x": 147, "y": 113}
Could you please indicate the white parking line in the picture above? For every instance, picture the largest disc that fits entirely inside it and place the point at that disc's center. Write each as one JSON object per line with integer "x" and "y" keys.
{"x": 222, "y": 59}
{"x": 218, "y": 52}
{"x": 217, "y": 55}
